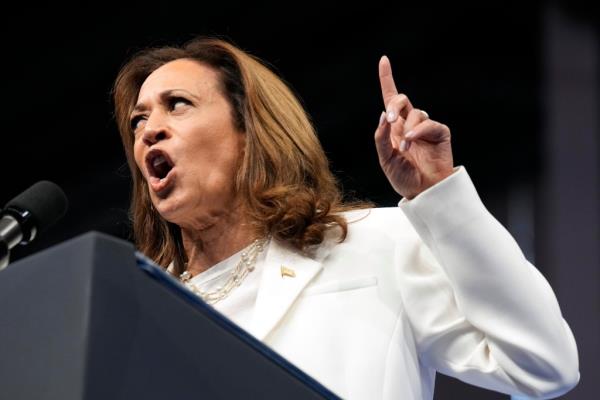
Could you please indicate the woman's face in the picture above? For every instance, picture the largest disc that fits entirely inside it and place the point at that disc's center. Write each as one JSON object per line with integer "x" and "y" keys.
{"x": 186, "y": 145}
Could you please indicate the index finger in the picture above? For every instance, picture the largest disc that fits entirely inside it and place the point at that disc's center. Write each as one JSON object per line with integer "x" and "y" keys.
{"x": 388, "y": 87}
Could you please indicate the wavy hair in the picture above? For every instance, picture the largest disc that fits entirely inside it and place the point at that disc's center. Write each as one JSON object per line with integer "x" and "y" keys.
{"x": 284, "y": 179}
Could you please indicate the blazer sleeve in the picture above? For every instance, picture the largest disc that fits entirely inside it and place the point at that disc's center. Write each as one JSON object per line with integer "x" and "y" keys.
{"x": 479, "y": 310}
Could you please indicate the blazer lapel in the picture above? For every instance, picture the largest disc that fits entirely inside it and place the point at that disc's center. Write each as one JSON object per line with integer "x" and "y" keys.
{"x": 286, "y": 273}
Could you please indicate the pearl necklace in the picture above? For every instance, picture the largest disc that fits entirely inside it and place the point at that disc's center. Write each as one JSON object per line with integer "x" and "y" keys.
{"x": 238, "y": 274}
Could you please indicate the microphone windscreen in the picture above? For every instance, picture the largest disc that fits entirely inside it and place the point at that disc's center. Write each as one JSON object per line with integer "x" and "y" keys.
{"x": 46, "y": 202}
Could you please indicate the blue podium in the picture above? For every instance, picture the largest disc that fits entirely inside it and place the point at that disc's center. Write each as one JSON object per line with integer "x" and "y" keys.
{"x": 88, "y": 320}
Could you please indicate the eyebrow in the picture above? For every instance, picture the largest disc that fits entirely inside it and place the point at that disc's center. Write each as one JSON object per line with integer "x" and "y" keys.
{"x": 141, "y": 107}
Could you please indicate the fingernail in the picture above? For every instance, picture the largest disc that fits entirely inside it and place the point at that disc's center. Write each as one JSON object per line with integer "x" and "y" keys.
{"x": 425, "y": 114}
{"x": 382, "y": 118}
{"x": 403, "y": 145}
{"x": 410, "y": 134}
{"x": 391, "y": 116}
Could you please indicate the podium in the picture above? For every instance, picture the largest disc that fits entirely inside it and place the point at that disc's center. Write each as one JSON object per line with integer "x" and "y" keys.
{"x": 82, "y": 320}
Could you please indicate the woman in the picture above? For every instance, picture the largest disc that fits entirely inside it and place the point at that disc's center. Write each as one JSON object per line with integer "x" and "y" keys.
{"x": 232, "y": 192}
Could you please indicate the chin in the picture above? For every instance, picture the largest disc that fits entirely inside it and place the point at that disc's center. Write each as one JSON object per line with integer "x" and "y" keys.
{"x": 169, "y": 209}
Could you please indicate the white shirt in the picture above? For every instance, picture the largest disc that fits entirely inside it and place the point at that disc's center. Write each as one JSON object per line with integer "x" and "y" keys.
{"x": 238, "y": 305}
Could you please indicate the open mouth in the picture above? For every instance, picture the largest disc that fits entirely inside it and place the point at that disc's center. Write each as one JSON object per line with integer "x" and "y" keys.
{"x": 158, "y": 164}
{"x": 159, "y": 167}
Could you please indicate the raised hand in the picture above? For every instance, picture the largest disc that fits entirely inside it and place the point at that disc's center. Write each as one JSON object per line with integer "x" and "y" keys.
{"x": 414, "y": 151}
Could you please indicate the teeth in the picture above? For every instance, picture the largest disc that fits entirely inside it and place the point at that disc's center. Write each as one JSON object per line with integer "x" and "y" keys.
{"x": 159, "y": 166}
{"x": 158, "y": 160}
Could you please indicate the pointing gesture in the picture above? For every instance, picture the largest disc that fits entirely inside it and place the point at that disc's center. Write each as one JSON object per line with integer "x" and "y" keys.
{"x": 414, "y": 151}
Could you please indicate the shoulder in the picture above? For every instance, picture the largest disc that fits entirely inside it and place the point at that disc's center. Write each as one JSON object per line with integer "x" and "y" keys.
{"x": 388, "y": 221}
{"x": 372, "y": 230}
{"x": 376, "y": 238}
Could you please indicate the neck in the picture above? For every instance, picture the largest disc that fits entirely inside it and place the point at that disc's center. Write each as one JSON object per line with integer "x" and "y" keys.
{"x": 211, "y": 244}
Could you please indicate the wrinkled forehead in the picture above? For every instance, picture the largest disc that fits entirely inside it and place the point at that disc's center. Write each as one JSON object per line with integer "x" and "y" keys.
{"x": 183, "y": 74}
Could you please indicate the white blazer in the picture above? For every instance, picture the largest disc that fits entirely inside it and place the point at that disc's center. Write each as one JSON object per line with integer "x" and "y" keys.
{"x": 436, "y": 284}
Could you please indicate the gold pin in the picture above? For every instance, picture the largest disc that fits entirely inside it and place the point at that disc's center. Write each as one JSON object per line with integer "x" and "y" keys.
{"x": 285, "y": 271}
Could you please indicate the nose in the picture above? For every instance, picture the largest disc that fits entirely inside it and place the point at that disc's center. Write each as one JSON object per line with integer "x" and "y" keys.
{"x": 154, "y": 131}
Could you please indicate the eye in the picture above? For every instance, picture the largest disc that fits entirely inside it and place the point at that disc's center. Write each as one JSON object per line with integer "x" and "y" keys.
{"x": 177, "y": 102}
{"x": 136, "y": 122}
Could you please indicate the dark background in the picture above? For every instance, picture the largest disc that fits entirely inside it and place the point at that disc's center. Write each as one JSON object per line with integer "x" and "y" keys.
{"x": 479, "y": 70}
{"x": 477, "y": 74}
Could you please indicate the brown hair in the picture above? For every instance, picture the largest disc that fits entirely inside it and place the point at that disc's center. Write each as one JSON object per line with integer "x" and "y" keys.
{"x": 284, "y": 177}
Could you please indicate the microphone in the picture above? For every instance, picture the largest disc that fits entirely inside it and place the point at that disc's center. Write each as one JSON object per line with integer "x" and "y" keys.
{"x": 29, "y": 214}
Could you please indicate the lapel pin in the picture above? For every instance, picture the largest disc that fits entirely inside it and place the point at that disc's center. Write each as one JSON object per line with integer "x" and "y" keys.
{"x": 285, "y": 271}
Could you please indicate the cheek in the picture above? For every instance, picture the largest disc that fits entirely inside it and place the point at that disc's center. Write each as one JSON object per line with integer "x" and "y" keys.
{"x": 219, "y": 150}
{"x": 232, "y": 156}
